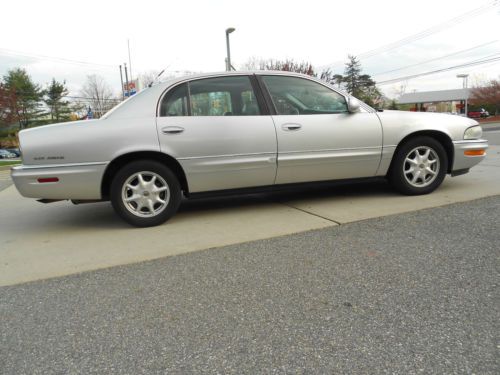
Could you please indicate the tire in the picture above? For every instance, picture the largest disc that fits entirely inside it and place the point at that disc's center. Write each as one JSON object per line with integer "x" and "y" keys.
{"x": 419, "y": 166}
{"x": 145, "y": 193}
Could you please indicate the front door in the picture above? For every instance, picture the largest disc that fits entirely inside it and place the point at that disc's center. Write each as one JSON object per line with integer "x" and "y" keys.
{"x": 318, "y": 139}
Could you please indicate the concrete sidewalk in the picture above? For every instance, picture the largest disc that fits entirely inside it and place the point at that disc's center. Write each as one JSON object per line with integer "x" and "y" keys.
{"x": 41, "y": 241}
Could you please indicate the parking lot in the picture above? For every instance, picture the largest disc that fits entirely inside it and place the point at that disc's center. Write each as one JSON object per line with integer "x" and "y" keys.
{"x": 409, "y": 293}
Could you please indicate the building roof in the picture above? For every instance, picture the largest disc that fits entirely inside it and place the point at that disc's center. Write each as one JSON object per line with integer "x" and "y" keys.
{"x": 434, "y": 96}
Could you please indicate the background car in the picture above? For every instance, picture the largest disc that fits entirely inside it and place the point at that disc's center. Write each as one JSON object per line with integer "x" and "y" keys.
{"x": 4, "y": 154}
{"x": 480, "y": 113}
{"x": 14, "y": 151}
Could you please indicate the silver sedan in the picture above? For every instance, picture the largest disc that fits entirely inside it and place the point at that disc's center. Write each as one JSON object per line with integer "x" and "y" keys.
{"x": 234, "y": 131}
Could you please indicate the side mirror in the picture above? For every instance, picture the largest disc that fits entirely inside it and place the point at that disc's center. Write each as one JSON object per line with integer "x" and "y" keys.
{"x": 353, "y": 105}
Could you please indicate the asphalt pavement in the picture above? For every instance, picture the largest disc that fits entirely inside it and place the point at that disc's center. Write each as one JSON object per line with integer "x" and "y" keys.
{"x": 404, "y": 294}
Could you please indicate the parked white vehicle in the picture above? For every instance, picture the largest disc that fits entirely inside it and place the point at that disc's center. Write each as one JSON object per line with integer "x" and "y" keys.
{"x": 229, "y": 131}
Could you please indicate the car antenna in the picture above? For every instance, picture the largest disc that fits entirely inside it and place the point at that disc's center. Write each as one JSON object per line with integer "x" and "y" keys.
{"x": 156, "y": 78}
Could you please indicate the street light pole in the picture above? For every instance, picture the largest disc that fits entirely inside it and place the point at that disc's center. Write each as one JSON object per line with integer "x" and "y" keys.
{"x": 228, "y": 61}
{"x": 465, "y": 78}
{"x": 121, "y": 79}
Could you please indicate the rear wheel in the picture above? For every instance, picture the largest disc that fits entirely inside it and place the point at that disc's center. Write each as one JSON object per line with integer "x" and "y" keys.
{"x": 419, "y": 166}
{"x": 145, "y": 193}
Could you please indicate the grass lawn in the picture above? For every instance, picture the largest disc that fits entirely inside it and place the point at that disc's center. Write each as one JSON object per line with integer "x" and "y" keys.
{"x": 9, "y": 162}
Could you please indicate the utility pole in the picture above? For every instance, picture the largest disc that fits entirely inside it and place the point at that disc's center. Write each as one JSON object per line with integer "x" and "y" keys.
{"x": 129, "y": 61}
{"x": 121, "y": 80}
{"x": 126, "y": 80}
{"x": 465, "y": 85}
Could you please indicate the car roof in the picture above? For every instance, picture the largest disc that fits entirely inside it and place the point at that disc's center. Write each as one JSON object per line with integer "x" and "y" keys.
{"x": 174, "y": 80}
{"x": 140, "y": 104}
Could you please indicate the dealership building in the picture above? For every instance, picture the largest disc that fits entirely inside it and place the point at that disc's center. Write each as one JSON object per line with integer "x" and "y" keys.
{"x": 437, "y": 101}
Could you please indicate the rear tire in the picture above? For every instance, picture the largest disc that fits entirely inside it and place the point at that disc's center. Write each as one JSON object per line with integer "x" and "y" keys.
{"x": 145, "y": 193}
{"x": 419, "y": 166}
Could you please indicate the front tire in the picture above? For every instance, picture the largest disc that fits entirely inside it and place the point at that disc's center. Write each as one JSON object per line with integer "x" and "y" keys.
{"x": 419, "y": 166}
{"x": 145, "y": 193}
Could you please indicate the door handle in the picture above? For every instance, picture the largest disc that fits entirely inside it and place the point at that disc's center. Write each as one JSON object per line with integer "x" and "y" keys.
{"x": 291, "y": 127}
{"x": 172, "y": 130}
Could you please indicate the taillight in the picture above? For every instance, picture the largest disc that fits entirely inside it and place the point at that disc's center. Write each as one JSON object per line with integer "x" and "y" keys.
{"x": 48, "y": 179}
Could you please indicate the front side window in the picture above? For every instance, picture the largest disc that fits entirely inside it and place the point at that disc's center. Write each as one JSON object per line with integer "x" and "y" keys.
{"x": 223, "y": 96}
{"x": 298, "y": 96}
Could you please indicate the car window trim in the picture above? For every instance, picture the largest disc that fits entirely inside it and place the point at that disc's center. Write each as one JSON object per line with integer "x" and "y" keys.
{"x": 166, "y": 92}
{"x": 188, "y": 99}
{"x": 261, "y": 80}
{"x": 266, "y": 95}
{"x": 261, "y": 102}
{"x": 259, "y": 95}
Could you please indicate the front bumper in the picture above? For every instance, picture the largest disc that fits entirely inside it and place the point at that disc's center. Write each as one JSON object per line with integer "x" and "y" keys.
{"x": 461, "y": 161}
{"x": 75, "y": 181}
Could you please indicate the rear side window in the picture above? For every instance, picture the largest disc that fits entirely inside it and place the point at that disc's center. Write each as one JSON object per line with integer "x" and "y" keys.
{"x": 298, "y": 96}
{"x": 175, "y": 102}
{"x": 221, "y": 96}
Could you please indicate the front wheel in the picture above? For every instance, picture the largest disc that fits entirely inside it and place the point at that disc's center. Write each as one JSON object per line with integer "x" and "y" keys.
{"x": 145, "y": 193}
{"x": 419, "y": 166}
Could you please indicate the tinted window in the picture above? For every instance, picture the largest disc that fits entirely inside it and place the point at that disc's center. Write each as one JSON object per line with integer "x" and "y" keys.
{"x": 294, "y": 96}
{"x": 223, "y": 96}
{"x": 175, "y": 102}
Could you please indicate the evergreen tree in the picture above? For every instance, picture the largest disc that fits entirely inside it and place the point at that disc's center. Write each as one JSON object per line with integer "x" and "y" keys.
{"x": 362, "y": 86}
{"x": 352, "y": 76}
{"x": 54, "y": 99}
{"x": 27, "y": 94}
{"x": 7, "y": 103}
{"x": 393, "y": 105}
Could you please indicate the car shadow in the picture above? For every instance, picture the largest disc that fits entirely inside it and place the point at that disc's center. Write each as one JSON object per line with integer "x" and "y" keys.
{"x": 101, "y": 216}
{"x": 350, "y": 189}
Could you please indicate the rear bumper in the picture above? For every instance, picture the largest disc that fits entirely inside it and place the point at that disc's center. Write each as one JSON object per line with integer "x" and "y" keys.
{"x": 462, "y": 161}
{"x": 75, "y": 181}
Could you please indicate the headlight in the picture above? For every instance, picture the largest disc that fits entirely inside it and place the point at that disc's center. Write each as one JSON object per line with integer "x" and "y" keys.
{"x": 474, "y": 132}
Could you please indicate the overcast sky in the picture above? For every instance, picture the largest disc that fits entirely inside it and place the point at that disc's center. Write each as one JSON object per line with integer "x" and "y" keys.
{"x": 68, "y": 40}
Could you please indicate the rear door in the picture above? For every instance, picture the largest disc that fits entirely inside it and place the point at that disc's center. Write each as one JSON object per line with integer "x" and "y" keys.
{"x": 218, "y": 131}
{"x": 318, "y": 139}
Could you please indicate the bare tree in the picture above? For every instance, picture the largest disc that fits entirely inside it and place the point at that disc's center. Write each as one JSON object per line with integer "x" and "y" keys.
{"x": 147, "y": 78}
{"x": 399, "y": 90}
{"x": 487, "y": 95}
{"x": 288, "y": 65}
{"x": 97, "y": 93}
{"x": 328, "y": 76}
{"x": 253, "y": 63}
{"x": 151, "y": 77}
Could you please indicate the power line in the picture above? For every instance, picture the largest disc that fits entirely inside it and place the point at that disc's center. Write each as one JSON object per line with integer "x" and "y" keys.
{"x": 425, "y": 33}
{"x": 96, "y": 99}
{"x": 435, "y": 59}
{"x": 471, "y": 63}
{"x": 19, "y": 92}
{"x": 8, "y": 52}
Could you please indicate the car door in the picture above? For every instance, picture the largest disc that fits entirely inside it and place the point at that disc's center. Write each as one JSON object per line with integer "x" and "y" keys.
{"x": 318, "y": 139}
{"x": 217, "y": 130}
